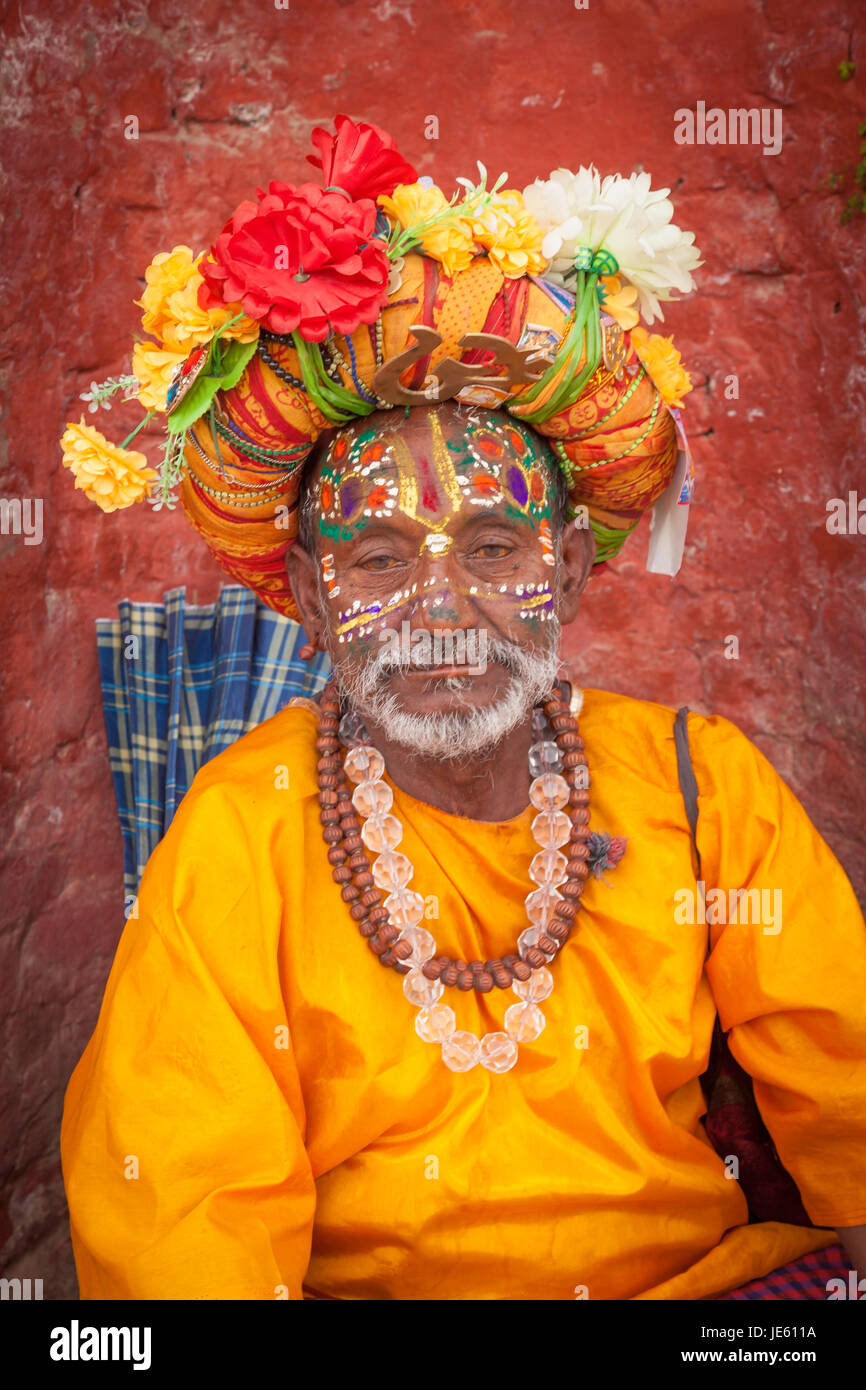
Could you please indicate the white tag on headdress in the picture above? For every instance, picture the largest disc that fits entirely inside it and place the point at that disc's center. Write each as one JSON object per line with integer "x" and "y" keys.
{"x": 670, "y": 515}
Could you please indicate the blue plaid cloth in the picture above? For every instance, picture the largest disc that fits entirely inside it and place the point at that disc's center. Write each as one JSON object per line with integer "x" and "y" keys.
{"x": 181, "y": 683}
{"x": 807, "y": 1277}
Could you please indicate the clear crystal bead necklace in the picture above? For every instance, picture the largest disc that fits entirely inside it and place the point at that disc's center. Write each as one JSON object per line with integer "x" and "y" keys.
{"x": 354, "y": 821}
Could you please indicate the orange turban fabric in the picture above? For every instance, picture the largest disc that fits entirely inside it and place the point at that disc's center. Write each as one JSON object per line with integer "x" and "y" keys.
{"x": 616, "y": 442}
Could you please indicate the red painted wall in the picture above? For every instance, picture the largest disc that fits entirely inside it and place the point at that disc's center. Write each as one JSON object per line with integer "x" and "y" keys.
{"x": 226, "y": 97}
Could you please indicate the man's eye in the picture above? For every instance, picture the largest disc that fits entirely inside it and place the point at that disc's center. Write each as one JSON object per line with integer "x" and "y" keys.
{"x": 494, "y": 550}
{"x": 378, "y": 562}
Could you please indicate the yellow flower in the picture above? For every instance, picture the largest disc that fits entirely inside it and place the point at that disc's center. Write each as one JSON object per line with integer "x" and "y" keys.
{"x": 619, "y": 301}
{"x": 167, "y": 273}
{"x": 111, "y": 477}
{"x": 153, "y": 367}
{"x": 510, "y": 235}
{"x": 171, "y": 308}
{"x": 450, "y": 242}
{"x": 662, "y": 361}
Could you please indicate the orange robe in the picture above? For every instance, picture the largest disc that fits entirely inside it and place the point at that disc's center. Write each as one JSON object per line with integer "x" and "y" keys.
{"x": 255, "y": 1112}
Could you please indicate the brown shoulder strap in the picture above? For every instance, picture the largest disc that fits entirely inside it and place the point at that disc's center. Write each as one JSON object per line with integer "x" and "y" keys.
{"x": 688, "y": 784}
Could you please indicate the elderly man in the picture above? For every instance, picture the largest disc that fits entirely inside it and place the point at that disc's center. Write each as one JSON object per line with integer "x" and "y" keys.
{"x": 256, "y": 1113}
{"x": 400, "y": 417}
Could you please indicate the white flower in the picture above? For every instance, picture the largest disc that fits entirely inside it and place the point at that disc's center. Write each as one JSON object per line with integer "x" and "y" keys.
{"x": 94, "y": 396}
{"x": 159, "y": 499}
{"x": 477, "y": 194}
{"x": 623, "y": 216}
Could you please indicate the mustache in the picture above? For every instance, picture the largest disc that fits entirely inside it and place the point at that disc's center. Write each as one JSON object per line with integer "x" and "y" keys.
{"x": 364, "y": 681}
{"x": 466, "y": 731}
{"x": 378, "y": 668}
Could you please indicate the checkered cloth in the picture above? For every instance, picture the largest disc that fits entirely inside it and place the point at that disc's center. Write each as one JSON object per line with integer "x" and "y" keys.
{"x": 804, "y": 1278}
{"x": 181, "y": 683}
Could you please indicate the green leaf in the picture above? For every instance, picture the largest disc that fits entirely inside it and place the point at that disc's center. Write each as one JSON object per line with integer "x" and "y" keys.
{"x": 847, "y": 69}
{"x": 234, "y": 361}
{"x": 194, "y": 404}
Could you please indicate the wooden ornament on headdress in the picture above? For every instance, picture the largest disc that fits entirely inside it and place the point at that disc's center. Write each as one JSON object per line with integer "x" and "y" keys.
{"x": 452, "y": 376}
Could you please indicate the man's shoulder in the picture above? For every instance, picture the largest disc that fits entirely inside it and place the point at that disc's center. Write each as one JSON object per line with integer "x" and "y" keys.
{"x": 242, "y": 803}
{"x": 621, "y": 728}
{"x": 278, "y": 755}
{"x": 604, "y": 704}
{"x": 609, "y": 707}
{"x": 236, "y": 801}
{"x": 607, "y": 717}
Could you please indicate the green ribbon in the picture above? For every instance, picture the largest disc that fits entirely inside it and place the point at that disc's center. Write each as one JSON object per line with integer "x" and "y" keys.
{"x": 599, "y": 262}
{"x": 334, "y": 401}
{"x": 609, "y": 541}
{"x": 582, "y": 341}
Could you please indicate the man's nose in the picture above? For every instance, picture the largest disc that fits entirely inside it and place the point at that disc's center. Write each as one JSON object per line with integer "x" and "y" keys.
{"x": 440, "y": 601}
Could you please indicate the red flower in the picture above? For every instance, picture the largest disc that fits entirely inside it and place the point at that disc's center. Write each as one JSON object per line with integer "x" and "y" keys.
{"x": 360, "y": 158}
{"x": 300, "y": 259}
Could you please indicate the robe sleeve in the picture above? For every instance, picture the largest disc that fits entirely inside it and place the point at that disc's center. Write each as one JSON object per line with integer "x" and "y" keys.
{"x": 182, "y": 1142}
{"x": 791, "y": 987}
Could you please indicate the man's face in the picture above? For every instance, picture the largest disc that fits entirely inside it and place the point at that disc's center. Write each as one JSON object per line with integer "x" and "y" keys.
{"x": 438, "y": 523}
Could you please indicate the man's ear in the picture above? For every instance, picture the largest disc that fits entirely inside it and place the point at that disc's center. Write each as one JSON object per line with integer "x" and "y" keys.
{"x": 301, "y": 572}
{"x": 578, "y": 556}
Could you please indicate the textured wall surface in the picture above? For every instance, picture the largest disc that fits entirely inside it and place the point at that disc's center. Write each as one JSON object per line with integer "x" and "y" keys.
{"x": 226, "y": 96}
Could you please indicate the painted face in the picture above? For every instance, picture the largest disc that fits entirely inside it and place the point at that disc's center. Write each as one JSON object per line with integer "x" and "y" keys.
{"x": 436, "y": 519}
{"x": 369, "y": 475}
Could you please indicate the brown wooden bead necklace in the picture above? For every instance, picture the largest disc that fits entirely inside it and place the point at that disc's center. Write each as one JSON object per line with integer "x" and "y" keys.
{"x": 352, "y": 872}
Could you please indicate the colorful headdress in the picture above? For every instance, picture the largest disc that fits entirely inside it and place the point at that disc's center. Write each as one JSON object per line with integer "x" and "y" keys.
{"x": 320, "y": 303}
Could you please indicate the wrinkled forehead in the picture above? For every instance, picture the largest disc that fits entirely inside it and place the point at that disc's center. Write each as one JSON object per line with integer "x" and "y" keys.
{"x": 433, "y": 468}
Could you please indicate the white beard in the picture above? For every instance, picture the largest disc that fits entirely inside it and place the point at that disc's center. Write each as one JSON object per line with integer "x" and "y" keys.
{"x": 454, "y": 735}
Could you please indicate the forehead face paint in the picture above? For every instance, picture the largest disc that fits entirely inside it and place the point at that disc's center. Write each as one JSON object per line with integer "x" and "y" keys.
{"x": 496, "y": 460}
{"x": 436, "y": 543}
{"x": 358, "y": 482}
{"x": 501, "y": 461}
